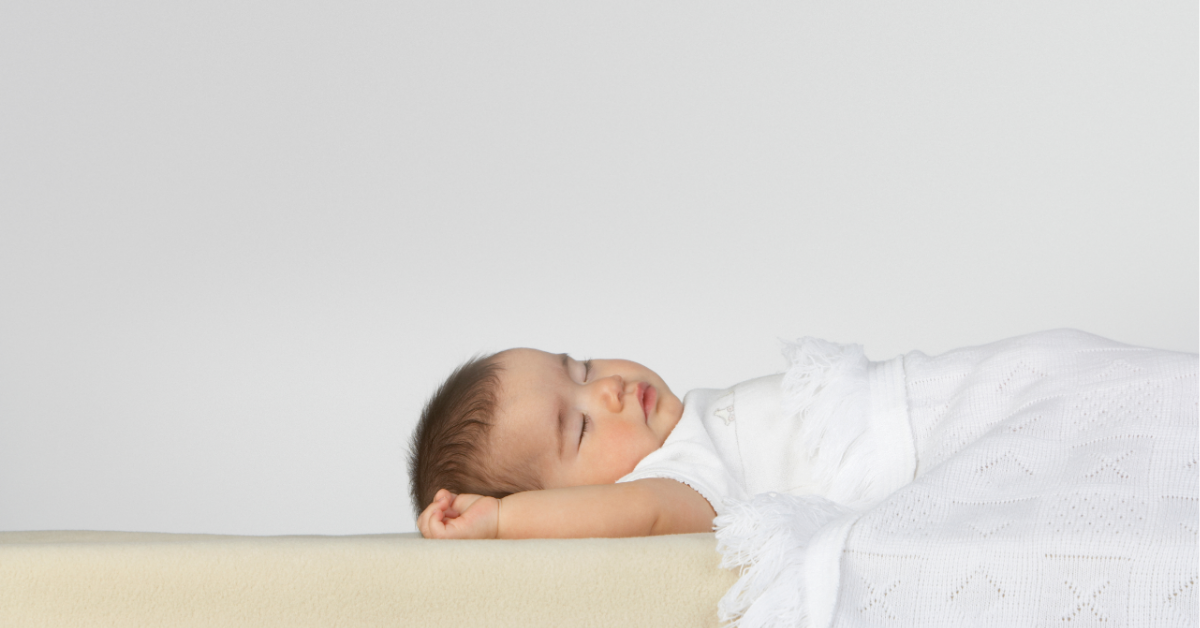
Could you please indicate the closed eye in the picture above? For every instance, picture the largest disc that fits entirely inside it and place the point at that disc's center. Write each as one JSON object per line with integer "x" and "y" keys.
{"x": 584, "y": 428}
{"x": 587, "y": 369}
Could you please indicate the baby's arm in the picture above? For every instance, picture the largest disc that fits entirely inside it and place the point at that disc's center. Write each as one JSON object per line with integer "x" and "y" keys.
{"x": 639, "y": 508}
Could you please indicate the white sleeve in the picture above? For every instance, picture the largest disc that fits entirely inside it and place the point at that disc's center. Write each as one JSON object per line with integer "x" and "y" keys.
{"x": 689, "y": 456}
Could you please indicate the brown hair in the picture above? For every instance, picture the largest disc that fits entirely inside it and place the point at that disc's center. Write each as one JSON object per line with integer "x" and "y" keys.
{"x": 449, "y": 446}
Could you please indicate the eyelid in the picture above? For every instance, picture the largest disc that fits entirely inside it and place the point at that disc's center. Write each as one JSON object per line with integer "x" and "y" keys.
{"x": 587, "y": 369}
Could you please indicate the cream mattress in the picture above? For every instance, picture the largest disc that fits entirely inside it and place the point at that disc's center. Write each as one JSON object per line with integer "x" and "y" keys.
{"x": 73, "y": 578}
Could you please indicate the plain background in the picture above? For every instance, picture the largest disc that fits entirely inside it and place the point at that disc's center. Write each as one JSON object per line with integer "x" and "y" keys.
{"x": 241, "y": 243}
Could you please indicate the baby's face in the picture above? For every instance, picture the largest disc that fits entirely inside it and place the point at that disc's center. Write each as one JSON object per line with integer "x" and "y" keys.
{"x": 579, "y": 423}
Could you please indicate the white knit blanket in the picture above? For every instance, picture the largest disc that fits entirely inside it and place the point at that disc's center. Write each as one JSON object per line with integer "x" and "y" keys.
{"x": 1056, "y": 484}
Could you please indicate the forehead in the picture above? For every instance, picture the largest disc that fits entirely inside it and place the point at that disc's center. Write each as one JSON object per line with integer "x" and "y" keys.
{"x": 528, "y": 404}
{"x": 527, "y": 371}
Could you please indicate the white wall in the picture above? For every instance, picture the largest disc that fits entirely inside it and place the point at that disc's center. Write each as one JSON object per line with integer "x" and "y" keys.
{"x": 240, "y": 243}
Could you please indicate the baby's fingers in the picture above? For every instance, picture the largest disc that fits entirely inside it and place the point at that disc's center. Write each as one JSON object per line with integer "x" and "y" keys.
{"x": 432, "y": 520}
{"x": 450, "y": 509}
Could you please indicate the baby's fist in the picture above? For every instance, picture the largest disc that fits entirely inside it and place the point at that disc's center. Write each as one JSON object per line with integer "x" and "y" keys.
{"x": 463, "y": 516}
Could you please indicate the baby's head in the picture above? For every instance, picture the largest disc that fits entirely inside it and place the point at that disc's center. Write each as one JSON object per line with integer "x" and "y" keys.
{"x": 524, "y": 419}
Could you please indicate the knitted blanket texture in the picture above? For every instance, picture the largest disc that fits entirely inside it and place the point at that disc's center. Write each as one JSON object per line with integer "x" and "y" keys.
{"x": 1056, "y": 484}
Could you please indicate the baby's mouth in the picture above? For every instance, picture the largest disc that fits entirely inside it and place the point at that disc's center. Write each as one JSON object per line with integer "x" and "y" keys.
{"x": 647, "y": 396}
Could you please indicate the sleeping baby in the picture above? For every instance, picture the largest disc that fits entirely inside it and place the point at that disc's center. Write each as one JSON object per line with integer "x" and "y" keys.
{"x": 529, "y": 444}
{"x": 1003, "y": 482}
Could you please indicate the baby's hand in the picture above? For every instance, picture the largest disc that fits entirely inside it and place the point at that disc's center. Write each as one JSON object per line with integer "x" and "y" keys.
{"x": 464, "y": 516}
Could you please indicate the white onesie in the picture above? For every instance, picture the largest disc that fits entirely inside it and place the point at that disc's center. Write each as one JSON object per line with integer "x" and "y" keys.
{"x": 834, "y": 425}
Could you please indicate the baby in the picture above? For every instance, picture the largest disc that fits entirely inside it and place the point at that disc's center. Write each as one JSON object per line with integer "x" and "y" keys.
{"x": 528, "y": 444}
{"x": 975, "y": 461}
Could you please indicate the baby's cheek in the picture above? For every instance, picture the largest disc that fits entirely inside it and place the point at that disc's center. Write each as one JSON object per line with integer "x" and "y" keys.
{"x": 619, "y": 452}
{"x": 636, "y": 444}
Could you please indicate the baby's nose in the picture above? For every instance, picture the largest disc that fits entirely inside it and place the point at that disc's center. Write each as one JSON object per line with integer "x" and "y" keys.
{"x": 617, "y": 390}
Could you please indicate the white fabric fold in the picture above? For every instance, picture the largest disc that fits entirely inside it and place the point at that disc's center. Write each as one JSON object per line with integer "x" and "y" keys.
{"x": 857, "y": 445}
{"x": 768, "y": 537}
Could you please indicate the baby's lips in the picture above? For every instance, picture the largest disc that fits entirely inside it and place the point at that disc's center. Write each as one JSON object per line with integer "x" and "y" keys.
{"x": 646, "y": 396}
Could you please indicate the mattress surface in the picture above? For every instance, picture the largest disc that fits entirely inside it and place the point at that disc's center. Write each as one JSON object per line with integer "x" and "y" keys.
{"x": 81, "y": 578}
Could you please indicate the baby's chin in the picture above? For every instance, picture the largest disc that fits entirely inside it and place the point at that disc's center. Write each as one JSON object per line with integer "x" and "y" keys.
{"x": 671, "y": 409}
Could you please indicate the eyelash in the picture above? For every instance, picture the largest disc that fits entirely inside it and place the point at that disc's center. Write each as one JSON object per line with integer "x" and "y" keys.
{"x": 584, "y": 429}
{"x": 587, "y": 370}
